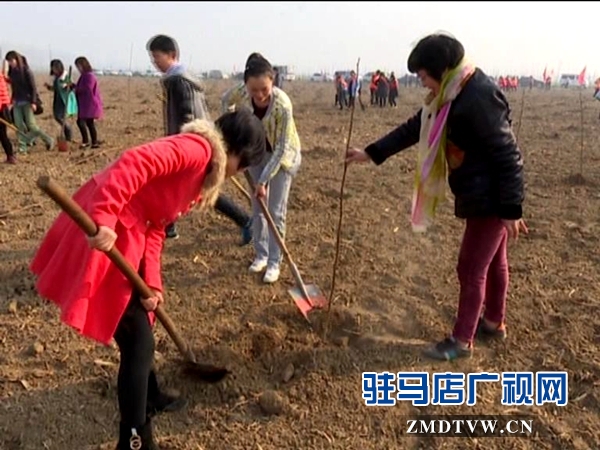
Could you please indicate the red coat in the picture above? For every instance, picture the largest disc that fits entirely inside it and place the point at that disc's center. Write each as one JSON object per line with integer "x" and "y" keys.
{"x": 145, "y": 189}
{"x": 4, "y": 95}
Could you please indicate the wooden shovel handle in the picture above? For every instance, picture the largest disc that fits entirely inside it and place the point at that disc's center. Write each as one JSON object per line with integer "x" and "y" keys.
{"x": 11, "y": 126}
{"x": 240, "y": 188}
{"x": 85, "y": 222}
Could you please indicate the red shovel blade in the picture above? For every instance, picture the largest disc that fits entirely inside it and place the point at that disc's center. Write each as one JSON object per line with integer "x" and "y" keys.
{"x": 315, "y": 300}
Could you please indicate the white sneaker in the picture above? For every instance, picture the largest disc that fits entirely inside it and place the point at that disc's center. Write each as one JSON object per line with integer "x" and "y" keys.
{"x": 258, "y": 265}
{"x": 271, "y": 275}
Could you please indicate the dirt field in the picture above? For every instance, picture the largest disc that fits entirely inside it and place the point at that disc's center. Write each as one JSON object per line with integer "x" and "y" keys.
{"x": 396, "y": 292}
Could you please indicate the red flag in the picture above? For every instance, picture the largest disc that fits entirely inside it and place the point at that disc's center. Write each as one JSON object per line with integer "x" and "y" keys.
{"x": 581, "y": 78}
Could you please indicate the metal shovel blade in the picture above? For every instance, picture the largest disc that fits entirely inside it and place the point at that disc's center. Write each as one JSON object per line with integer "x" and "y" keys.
{"x": 315, "y": 300}
{"x": 205, "y": 372}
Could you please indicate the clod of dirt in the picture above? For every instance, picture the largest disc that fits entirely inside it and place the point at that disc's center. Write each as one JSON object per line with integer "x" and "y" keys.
{"x": 159, "y": 359}
{"x": 288, "y": 373}
{"x": 12, "y": 307}
{"x": 36, "y": 348}
{"x": 343, "y": 323}
{"x": 265, "y": 340}
{"x": 39, "y": 373}
{"x": 341, "y": 341}
{"x": 271, "y": 403}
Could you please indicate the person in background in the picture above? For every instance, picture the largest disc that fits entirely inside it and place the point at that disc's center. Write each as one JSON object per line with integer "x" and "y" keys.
{"x": 597, "y": 91}
{"x": 64, "y": 103}
{"x": 373, "y": 88}
{"x": 478, "y": 156}
{"x": 184, "y": 101}
{"x": 383, "y": 89}
{"x": 393, "y": 90}
{"x": 89, "y": 103}
{"x": 354, "y": 88}
{"x": 341, "y": 91}
{"x": 25, "y": 100}
{"x": 5, "y": 115}
{"x": 278, "y": 82}
{"x": 273, "y": 176}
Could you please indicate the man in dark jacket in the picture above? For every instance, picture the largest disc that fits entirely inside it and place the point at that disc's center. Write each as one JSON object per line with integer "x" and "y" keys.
{"x": 184, "y": 101}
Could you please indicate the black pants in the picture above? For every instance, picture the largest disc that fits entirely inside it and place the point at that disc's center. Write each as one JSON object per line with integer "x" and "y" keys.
{"x": 84, "y": 125}
{"x": 66, "y": 128}
{"x": 352, "y": 102}
{"x": 137, "y": 381}
{"x": 5, "y": 141}
{"x": 228, "y": 208}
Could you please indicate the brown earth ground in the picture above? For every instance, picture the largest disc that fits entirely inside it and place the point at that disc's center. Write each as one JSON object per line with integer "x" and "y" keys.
{"x": 396, "y": 292}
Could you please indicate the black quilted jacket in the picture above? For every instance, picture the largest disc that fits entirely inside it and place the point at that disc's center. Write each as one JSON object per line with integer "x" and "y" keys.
{"x": 486, "y": 166}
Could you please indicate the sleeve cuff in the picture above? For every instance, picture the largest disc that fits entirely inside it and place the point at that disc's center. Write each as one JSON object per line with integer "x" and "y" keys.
{"x": 510, "y": 212}
{"x": 153, "y": 278}
{"x": 102, "y": 219}
{"x": 373, "y": 151}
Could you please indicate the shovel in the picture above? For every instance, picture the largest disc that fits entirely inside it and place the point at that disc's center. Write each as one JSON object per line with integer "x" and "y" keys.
{"x": 61, "y": 140}
{"x": 240, "y": 188}
{"x": 205, "y": 372}
{"x": 306, "y": 297}
{"x": 12, "y": 127}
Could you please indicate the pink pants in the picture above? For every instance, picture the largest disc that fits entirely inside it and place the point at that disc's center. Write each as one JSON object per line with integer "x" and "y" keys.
{"x": 482, "y": 274}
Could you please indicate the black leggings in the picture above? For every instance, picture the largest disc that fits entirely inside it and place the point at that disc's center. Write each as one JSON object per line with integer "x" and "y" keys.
{"x": 5, "y": 141}
{"x": 66, "y": 128}
{"x": 137, "y": 383}
{"x": 84, "y": 125}
{"x": 228, "y": 208}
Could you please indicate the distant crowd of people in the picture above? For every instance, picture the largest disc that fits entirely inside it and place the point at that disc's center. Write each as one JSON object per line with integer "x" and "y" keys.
{"x": 20, "y": 103}
{"x": 383, "y": 90}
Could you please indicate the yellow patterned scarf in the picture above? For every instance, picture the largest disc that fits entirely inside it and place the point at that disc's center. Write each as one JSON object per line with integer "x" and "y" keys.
{"x": 432, "y": 169}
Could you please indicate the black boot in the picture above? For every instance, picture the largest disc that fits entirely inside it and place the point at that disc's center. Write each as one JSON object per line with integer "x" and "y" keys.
{"x": 171, "y": 232}
{"x": 165, "y": 402}
{"x": 140, "y": 438}
{"x": 160, "y": 401}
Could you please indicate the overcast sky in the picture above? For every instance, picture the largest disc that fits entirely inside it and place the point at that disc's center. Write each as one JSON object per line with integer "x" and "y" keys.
{"x": 501, "y": 37}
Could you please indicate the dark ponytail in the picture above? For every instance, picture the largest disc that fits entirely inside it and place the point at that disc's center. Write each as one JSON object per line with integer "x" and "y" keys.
{"x": 258, "y": 67}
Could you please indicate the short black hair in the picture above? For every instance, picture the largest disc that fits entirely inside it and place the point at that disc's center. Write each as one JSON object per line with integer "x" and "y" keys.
{"x": 58, "y": 64}
{"x": 164, "y": 44}
{"x": 244, "y": 135}
{"x": 258, "y": 67}
{"x": 435, "y": 54}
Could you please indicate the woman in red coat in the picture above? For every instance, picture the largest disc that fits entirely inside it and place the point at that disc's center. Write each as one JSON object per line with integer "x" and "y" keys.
{"x": 5, "y": 115}
{"x": 132, "y": 200}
